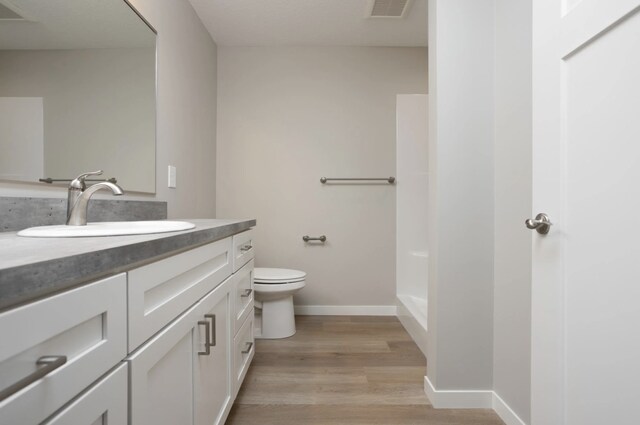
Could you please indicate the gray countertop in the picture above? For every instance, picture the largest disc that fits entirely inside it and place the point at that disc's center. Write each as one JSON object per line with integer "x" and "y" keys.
{"x": 31, "y": 268}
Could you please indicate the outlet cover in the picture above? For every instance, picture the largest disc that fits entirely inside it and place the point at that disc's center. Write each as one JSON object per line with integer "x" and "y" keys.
{"x": 172, "y": 177}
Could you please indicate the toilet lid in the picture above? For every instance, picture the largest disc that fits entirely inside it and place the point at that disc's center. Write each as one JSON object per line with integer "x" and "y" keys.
{"x": 270, "y": 275}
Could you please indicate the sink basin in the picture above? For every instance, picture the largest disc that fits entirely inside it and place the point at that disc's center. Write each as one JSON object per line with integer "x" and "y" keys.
{"x": 108, "y": 228}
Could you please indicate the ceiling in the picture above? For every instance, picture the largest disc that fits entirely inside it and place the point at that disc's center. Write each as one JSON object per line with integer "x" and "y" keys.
{"x": 309, "y": 23}
{"x": 71, "y": 24}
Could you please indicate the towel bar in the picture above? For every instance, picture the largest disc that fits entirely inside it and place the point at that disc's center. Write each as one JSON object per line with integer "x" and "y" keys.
{"x": 390, "y": 180}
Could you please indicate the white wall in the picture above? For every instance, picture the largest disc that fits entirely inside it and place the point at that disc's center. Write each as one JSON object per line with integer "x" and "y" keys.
{"x": 512, "y": 291}
{"x": 98, "y": 104}
{"x": 461, "y": 221}
{"x": 186, "y": 112}
{"x": 288, "y": 116}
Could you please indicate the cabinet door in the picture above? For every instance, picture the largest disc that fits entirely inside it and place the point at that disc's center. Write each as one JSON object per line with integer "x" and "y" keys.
{"x": 161, "y": 375}
{"x": 104, "y": 403}
{"x": 212, "y": 370}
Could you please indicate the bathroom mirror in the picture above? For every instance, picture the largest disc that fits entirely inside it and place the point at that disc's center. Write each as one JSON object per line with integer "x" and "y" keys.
{"x": 77, "y": 91}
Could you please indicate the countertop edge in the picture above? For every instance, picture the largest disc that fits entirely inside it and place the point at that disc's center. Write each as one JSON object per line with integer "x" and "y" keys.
{"x": 30, "y": 282}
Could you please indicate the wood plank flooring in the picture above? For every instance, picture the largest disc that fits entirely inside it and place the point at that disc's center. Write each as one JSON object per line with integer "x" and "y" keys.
{"x": 343, "y": 370}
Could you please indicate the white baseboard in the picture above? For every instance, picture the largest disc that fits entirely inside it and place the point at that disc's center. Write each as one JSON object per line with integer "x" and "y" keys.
{"x": 345, "y": 310}
{"x": 472, "y": 399}
{"x": 457, "y": 399}
{"x": 504, "y": 411}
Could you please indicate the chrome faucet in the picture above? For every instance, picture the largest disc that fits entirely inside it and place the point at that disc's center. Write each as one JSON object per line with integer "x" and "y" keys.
{"x": 79, "y": 195}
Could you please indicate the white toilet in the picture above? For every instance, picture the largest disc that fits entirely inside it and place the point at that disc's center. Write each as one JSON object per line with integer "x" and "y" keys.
{"x": 274, "y": 289}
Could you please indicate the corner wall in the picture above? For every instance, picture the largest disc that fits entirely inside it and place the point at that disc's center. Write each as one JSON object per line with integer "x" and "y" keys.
{"x": 461, "y": 198}
{"x": 479, "y": 313}
{"x": 512, "y": 291}
{"x": 290, "y": 115}
{"x": 186, "y": 113}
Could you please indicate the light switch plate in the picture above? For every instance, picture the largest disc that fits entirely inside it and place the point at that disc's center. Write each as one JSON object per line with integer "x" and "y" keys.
{"x": 172, "y": 176}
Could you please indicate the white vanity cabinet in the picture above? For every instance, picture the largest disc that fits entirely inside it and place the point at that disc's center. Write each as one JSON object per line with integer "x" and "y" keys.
{"x": 162, "y": 344}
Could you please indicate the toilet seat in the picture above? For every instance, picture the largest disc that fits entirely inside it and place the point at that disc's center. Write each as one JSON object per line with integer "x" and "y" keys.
{"x": 273, "y": 276}
{"x": 278, "y": 287}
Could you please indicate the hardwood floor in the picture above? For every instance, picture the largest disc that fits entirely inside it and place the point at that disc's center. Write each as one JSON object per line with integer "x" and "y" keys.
{"x": 343, "y": 370}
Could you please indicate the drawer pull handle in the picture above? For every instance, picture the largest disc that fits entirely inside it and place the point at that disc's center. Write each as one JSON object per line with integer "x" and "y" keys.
{"x": 213, "y": 328}
{"x": 246, "y": 248}
{"x": 207, "y": 338}
{"x": 247, "y": 292}
{"x": 48, "y": 363}
{"x": 248, "y": 349}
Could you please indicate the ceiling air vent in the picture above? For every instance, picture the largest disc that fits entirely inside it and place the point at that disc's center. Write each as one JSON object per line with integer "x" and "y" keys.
{"x": 389, "y": 8}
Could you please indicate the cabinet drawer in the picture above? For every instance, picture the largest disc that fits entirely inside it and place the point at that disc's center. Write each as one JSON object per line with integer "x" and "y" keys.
{"x": 243, "y": 249}
{"x": 103, "y": 403}
{"x": 160, "y": 291}
{"x": 87, "y": 325}
{"x": 243, "y": 348}
{"x": 242, "y": 294}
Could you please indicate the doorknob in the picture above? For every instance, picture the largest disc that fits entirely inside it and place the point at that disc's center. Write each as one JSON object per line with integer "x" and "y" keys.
{"x": 541, "y": 223}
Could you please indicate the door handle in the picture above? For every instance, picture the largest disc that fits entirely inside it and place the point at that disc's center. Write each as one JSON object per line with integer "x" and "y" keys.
{"x": 247, "y": 292}
{"x": 48, "y": 364}
{"x": 246, "y": 248}
{"x": 207, "y": 338}
{"x": 212, "y": 317}
{"x": 540, "y": 224}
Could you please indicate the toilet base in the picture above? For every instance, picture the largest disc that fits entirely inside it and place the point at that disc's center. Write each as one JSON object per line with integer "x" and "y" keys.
{"x": 278, "y": 319}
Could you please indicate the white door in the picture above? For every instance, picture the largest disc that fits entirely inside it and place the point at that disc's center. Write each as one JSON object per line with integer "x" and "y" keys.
{"x": 586, "y": 271}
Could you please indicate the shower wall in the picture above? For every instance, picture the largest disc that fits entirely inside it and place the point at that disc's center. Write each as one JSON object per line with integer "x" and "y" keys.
{"x": 412, "y": 255}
